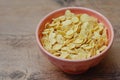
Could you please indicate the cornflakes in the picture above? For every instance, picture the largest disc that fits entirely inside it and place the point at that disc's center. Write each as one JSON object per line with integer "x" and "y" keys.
{"x": 74, "y": 36}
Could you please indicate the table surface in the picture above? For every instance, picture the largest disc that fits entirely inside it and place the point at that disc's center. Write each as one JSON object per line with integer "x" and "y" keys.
{"x": 20, "y": 57}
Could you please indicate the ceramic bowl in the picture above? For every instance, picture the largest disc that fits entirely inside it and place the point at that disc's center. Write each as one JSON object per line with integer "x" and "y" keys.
{"x": 74, "y": 66}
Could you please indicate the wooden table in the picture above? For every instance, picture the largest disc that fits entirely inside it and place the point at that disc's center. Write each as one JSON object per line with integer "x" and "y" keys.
{"x": 20, "y": 58}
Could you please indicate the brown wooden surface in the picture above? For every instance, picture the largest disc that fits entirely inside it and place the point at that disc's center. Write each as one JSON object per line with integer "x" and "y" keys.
{"x": 20, "y": 58}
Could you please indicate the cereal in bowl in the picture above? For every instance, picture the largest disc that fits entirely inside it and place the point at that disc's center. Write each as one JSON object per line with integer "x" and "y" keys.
{"x": 74, "y": 36}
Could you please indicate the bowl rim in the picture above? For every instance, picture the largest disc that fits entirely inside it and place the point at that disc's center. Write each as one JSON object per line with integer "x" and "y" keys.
{"x": 68, "y": 60}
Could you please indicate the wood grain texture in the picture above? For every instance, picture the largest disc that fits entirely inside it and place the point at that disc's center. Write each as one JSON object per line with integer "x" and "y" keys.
{"x": 20, "y": 58}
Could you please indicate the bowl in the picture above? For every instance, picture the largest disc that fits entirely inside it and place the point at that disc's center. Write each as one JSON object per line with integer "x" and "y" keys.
{"x": 74, "y": 66}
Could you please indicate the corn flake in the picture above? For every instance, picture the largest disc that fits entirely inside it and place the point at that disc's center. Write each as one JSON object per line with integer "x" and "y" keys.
{"x": 57, "y": 47}
{"x": 66, "y": 23}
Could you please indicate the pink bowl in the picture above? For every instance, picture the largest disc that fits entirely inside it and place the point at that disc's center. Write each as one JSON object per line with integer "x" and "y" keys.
{"x": 74, "y": 66}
